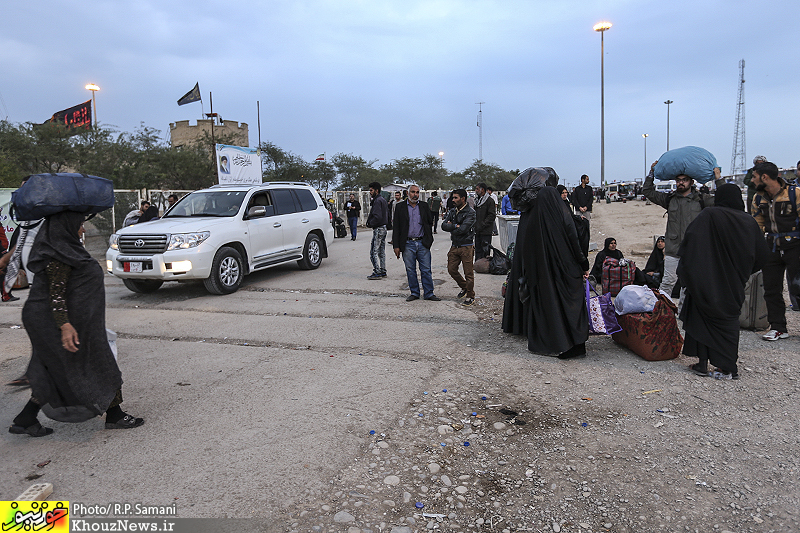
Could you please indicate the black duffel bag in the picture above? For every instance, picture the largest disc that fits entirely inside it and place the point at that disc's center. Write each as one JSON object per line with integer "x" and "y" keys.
{"x": 499, "y": 265}
{"x": 47, "y": 194}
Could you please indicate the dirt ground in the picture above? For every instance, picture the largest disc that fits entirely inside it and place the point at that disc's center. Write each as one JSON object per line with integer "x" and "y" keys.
{"x": 505, "y": 440}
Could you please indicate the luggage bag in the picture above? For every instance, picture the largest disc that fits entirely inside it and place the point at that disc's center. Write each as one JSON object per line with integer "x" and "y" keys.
{"x": 754, "y": 308}
{"x": 652, "y": 336}
{"x": 47, "y": 194}
{"x": 616, "y": 276}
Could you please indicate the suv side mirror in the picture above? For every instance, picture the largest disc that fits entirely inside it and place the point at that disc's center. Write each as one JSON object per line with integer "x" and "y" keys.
{"x": 257, "y": 211}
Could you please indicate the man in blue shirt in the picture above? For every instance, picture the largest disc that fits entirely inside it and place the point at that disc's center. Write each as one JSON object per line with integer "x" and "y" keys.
{"x": 413, "y": 237}
{"x": 505, "y": 206}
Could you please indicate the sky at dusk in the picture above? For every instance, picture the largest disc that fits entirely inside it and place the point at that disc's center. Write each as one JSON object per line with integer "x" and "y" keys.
{"x": 391, "y": 79}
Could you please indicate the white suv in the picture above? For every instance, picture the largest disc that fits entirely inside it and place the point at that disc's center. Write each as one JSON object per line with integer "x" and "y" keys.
{"x": 221, "y": 234}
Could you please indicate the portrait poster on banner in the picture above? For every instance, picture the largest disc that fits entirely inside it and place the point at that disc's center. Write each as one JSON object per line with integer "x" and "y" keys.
{"x": 237, "y": 165}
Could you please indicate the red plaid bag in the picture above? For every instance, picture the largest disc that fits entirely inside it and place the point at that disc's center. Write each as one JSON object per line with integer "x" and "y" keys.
{"x": 615, "y": 276}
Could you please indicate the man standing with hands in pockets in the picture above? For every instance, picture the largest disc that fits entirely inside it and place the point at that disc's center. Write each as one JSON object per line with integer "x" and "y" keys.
{"x": 413, "y": 236}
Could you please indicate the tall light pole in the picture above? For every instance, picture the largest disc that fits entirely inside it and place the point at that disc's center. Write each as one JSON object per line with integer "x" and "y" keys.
{"x": 441, "y": 159}
{"x": 602, "y": 27}
{"x": 94, "y": 88}
{"x": 668, "y": 102}
{"x": 645, "y": 135}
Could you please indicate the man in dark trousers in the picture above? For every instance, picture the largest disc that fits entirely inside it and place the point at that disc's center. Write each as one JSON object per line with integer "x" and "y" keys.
{"x": 582, "y": 198}
{"x": 485, "y": 213}
{"x": 353, "y": 210}
{"x": 460, "y": 222}
{"x": 413, "y": 237}
{"x": 775, "y": 210}
{"x": 435, "y": 204}
{"x": 377, "y": 220}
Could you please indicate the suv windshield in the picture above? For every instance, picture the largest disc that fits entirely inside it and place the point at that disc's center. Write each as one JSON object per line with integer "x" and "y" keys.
{"x": 208, "y": 204}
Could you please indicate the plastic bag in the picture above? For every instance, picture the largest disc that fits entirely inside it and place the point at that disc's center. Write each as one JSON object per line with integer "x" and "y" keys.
{"x": 524, "y": 189}
{"x": 499, "y": 265}
{"x": 46, "y": 194}
{"x": 635, "y": 299}
{"x": 697, "y": 163}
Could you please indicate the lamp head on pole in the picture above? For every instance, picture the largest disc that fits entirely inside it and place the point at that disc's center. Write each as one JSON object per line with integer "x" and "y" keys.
{"x": 645, "y": 135}
{"x": 92, "y": 87}
{"x": 602, "y": 26}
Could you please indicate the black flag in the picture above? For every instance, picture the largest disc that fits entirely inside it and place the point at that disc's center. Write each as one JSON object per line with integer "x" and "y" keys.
{"x": 191, "y": 96}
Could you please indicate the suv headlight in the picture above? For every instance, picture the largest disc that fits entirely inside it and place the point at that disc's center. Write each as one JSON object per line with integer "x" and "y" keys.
{"x": 113, "y": 242}
{"x": 181, "y": 241}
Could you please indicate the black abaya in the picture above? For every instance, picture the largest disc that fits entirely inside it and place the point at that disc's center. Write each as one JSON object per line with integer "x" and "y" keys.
{"x": 722, "y": 247}
{"x": 546, "y": 299}
{"x": 70, "y": 387}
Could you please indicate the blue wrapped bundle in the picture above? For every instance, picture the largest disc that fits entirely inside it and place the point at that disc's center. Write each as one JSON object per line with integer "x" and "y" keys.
{"x": 48, "y": 194}
{"x": 697, "y": 163}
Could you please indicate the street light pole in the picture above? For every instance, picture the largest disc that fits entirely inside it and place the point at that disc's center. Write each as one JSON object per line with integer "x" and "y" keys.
{"x": 668, "y": 102}
{"x": 94, "y": 88}
{"x": 602, "y": 27}
{"x": 645, "y": 135}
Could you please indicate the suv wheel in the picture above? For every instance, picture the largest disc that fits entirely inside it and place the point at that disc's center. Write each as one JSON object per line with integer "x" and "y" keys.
{"x": 227, "y": 272}
{"x": 143, "y": 285}
{"x": 312, "y": 253}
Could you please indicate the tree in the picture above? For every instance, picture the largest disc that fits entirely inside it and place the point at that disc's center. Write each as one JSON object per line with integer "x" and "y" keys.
{"x": 491, "y": 174}
{"x": 354, "y": 172}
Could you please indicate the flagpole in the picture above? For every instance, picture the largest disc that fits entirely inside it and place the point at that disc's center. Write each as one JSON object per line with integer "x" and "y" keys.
{"x": 213, "y": 142}
{"x": 258, "y": 110}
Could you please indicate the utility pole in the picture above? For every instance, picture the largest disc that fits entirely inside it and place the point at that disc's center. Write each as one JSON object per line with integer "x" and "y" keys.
{"x": 668, "y": 102}
{"x": 480, "y": 130}
{"x": 738, "y": 159}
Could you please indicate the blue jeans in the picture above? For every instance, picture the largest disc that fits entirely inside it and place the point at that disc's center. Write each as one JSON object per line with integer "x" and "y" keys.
{"x": 416, "y": 252}
{"x": 378, "y": 250}
{"x": 353, "y": 222}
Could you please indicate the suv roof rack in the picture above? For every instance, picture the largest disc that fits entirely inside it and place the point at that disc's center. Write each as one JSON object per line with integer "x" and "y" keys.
{"x": 250, "y": 185}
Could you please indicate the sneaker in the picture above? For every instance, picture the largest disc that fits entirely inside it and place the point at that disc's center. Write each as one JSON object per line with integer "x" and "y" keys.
{"x": 434, "y": 298}
{"x": 462, "y": 294}
{"x": 468, "y": 302}
{"x": 719, "y": 375}
{"x": 383, "y": 274}
{"x": 374, "y": 276}
{"x": 774, "y": 334}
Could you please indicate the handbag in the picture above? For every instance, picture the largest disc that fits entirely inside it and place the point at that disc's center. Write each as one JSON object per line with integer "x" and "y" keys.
{"x": 602, "y": 317}
{"x": 22, "y": 280}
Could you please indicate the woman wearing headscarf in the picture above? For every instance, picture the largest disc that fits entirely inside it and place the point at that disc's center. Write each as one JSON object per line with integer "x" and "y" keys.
{"x": 722, "y": 247}
{"x": 609, "y": 250}
{"x": 654, "y": 269}
{"x": 73, "y": 373}
{"x": 546, "y": 298}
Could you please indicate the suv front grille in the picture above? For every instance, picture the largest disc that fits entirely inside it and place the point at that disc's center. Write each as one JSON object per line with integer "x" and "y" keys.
{"x": 142, "y": 244}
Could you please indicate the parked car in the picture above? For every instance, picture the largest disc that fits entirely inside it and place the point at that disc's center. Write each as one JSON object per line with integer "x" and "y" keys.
{"x": 221, "y": 234}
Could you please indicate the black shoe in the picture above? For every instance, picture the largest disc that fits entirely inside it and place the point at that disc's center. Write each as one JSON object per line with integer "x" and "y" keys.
{"x": 36, "y": 430}
{"x": 462, "y": 294}
{"x": 434, "y": 298}
{"x": 374, "y": 276}
{"x": 9, "y": 298}
{"x": 383, "y": 274}
{"x": 412, "y": 297}
{"x": 699, "y": 369}
{"x": 126, "y": 422}
{"x": 576, "y": 352}
{"x": 468, "y": 302}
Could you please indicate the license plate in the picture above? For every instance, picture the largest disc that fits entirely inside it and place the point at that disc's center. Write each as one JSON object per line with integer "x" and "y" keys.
{"x": 132, "y": 266}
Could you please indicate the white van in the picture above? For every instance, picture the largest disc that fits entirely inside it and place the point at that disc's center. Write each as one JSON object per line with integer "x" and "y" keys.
{"x": 666, "y": 186}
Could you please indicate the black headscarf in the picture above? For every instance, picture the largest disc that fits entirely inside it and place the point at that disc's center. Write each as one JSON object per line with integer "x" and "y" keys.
{"x": 655, "y": 263}
{"x": 546, "y": 300}
{"x": 722, "y": 247}
{"x": 58, "y": 239}
{"x": 729, "y": 195}
{"x": 597, "y": 269}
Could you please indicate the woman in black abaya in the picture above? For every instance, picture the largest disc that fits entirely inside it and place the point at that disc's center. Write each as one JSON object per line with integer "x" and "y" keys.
{"x": 73, "y": 373}
{"x": 722, "y": 247}
{"x": 546, "y": 297}
{"x": 609, "y": 250}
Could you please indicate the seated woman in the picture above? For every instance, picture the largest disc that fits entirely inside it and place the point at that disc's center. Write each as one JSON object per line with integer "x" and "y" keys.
{"x": 654, "y": 269}
{"x": 609, "y": 250}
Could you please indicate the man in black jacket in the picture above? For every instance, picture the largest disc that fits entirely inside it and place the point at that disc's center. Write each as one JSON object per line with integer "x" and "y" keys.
{"x": 377, "y": 220}
{"x": 460, "y": 222}
{"x": 582, "y": 198}
{"x": 485, "y": 213}
{"x": 353, "y": 210}
{"x": 413, "y": 237}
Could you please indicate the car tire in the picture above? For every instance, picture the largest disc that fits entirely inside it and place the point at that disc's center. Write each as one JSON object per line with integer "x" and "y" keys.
{"x": 143, "y": 285}
{"x": 227, "y": 272}
{"x": 312, "y": 253}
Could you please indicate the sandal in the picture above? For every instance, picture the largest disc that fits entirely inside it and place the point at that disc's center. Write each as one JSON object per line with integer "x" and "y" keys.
{"x": 36, "y": 430}
{"x": 126, "y": 422}
{"x": 699, "y": 370}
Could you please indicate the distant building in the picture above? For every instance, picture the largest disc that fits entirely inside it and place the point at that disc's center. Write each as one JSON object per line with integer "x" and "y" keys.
{"x": 182, "y": 133}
